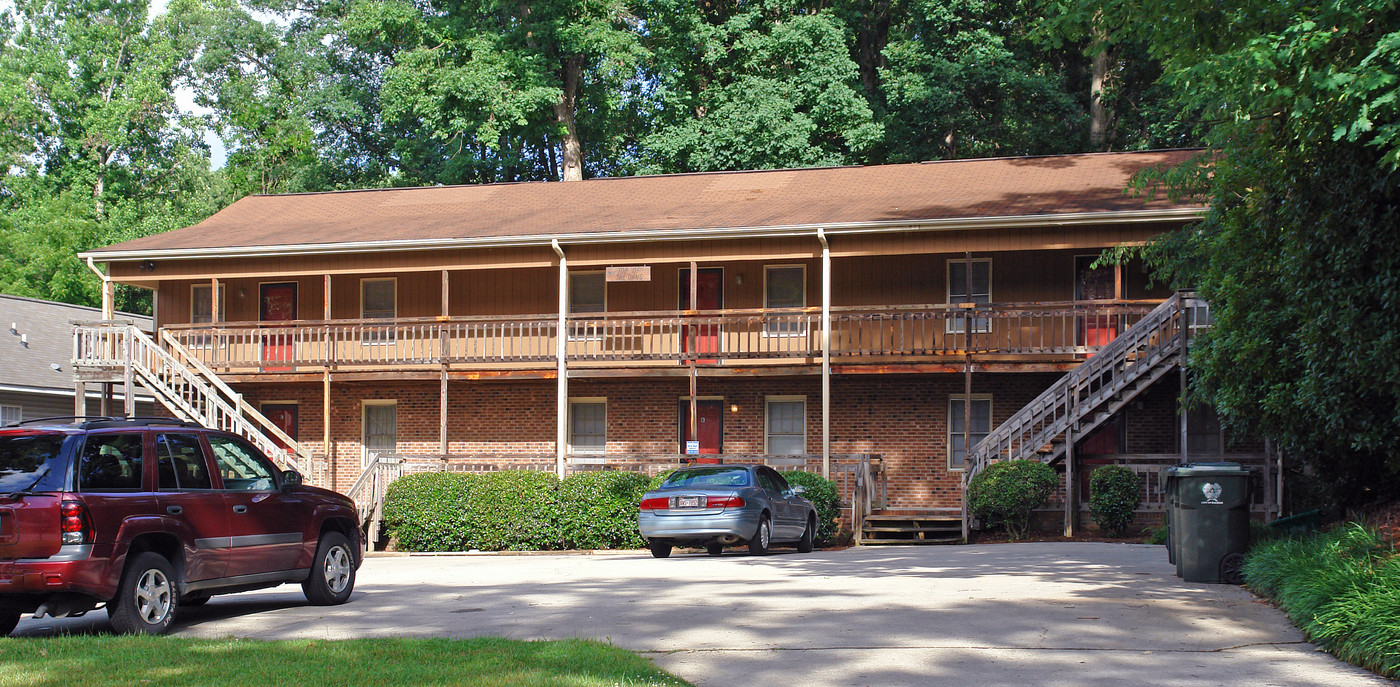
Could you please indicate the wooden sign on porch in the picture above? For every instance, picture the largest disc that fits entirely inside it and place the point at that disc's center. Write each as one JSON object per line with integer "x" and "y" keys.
{"x": 633, "y": 273}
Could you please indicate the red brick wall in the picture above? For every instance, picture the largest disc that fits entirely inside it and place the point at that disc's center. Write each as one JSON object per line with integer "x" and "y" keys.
{"x": 902, "y": 418}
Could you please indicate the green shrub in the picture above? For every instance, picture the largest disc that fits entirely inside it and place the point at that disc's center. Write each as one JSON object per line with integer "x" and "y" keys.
{"x": 1157, "y": 535}
{"x": 1004, "y": 493}
{"x": 598, "y": 510}
{"x": 1342, "y": 588}
{"x": 513, "y": 510}
{"x": 427, "y": 511}
{"x": 1114, "y": 495}
{"x": 822, "y": 493}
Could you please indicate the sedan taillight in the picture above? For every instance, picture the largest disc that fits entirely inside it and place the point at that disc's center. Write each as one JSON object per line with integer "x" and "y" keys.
{"x": 74, "y": 525}
{"x": 724, "y": 502}
{"x": 656, "y": 503}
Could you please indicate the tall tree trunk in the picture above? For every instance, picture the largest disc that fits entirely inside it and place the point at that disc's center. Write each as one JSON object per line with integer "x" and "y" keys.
{"x": 872, "y": 36}
{"x": 1098, "y": 114}
{"x": 564, "y": 111}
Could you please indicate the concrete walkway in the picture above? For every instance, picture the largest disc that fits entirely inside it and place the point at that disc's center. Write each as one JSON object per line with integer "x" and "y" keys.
{"x": 1073, "y": 614}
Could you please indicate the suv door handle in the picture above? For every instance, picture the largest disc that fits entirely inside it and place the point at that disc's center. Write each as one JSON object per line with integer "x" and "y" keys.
{"x": 174, "y": 510}
{"x": 240, "y": 509}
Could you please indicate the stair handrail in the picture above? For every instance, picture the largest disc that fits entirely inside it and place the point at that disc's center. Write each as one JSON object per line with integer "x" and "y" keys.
{"x": 242, "y": 406}
{"x": 141, "y": 355}
{"x": 1057, "y": 398}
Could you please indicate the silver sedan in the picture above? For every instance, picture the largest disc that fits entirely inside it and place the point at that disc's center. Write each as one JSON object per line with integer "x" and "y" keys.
{"x": 718, "y": 505}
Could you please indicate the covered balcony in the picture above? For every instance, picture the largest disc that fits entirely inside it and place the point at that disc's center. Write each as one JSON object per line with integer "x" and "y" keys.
{"x": 1046, "y": 335}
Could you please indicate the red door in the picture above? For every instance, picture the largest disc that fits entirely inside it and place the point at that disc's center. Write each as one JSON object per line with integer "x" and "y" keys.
{"x": 284, "y": 415}
{"x": 277, "y": 303}
{"x": 1096, "y": 328}
{"x": 702, "y": 338}
{"x": 709, "y": 417}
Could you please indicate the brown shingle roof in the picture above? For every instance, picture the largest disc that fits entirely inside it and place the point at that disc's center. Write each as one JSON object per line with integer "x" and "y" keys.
{"x": 1001, "y": 187}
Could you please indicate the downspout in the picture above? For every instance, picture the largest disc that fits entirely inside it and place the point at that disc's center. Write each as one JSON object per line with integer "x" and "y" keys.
{"x": 560, "y": 350}
{"x": 826, "y": 353}
{"x": 108, "y": 308}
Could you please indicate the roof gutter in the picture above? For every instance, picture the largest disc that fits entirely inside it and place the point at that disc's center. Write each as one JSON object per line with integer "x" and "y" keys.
{"x": 780, "y": 231}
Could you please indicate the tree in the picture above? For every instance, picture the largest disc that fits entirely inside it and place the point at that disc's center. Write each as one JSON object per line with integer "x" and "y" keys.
{"x": 1297, "y": 254}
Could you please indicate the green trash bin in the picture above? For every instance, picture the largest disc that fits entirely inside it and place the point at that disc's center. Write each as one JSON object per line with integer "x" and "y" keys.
{"x": 1209, "y": 520}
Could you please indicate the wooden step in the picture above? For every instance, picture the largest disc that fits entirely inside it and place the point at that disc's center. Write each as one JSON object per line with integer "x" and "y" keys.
{"x": 894, "y": 529}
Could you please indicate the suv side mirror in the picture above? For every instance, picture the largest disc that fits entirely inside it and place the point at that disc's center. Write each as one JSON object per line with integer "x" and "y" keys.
{"x": 291, "y": 478}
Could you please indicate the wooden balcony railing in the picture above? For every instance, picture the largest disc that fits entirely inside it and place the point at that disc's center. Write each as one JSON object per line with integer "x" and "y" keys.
{"x": 857, "y": 333}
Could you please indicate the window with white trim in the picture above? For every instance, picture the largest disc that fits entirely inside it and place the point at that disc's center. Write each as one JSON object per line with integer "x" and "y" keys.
{"x": 981, "y": 426}
{"x": 10, "y": 415}
{"x": 379, "y": 301}
{"x": 202, "y": 311}
{"x": 588, "y": 295}
{"x": 981, "y": 292}
{"x": 381, "y": 430}
{"x": 588, "y": 426}
{"x": 785, "y": 286}
{"x": 786, "y": 421}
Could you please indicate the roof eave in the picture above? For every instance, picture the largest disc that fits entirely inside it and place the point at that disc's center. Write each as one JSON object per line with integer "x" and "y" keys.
{"x": 1176, "y": 214}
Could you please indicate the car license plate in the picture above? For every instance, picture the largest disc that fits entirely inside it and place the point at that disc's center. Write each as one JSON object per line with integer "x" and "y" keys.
{"x": 690, "y": 502}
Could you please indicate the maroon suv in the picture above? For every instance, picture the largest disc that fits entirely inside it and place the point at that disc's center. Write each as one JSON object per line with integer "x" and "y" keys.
{"x": 147, "y": 515}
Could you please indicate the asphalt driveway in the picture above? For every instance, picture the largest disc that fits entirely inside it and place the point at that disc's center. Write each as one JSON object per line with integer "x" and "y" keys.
{"x": 1073, "y": 614}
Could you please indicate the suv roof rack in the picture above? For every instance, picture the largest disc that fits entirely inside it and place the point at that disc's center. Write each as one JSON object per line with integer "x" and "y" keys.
{"x": 37, "y": 420}
{"x": 106, "y": 422}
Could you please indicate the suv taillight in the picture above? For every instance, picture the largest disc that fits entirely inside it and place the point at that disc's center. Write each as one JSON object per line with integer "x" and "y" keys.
{"x": 73, "y": 523}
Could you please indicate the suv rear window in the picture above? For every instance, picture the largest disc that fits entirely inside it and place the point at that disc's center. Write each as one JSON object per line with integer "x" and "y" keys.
{"x": 110, "y": 462}
{"x": 32, "y": 462}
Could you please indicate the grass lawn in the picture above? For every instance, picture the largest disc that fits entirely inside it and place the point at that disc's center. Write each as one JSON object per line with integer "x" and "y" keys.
{"x": 485, "y": 661}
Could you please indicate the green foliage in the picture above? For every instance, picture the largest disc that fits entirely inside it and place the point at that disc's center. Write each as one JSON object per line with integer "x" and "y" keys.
{"x": 1342, "y": 588}
{"x": 1157, "y": 535}
{"x": 513, "y": 510}
{"x": 598, "y": 510}
{"x": 822, "y": 493}
{"x": 1005, "y": 492}
{"x": 1114, "y": 495}
{"x": 428, "y": 511}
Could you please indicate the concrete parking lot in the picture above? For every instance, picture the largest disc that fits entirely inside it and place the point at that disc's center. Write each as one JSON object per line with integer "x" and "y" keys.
{"x": 1044, "y": 614}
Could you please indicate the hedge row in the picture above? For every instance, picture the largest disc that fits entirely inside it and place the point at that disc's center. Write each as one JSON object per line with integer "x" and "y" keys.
{"x": 517, "y": 510}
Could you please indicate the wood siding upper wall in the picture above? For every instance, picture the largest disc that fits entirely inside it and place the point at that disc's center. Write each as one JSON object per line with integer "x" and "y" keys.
{"x": 869, "y": 280}
{"x": 1083, "y": 237}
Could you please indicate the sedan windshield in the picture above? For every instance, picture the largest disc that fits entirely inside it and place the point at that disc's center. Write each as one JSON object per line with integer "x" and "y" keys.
{"x": 716, "y": 476}
{"x": 31, "y": 462}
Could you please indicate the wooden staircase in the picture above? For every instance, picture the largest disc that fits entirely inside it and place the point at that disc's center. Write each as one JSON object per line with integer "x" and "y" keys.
{"x": 910, "y": 529}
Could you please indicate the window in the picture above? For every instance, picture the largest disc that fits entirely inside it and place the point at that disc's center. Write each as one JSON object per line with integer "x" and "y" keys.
{"x": 202, "y": 307}
{"x": 241, "y": 466}
{"x": 588, "y": 296}
{"x": 980, "y": 427}
{"x": 180, "y": 463}
{"x": 110, "y": 462}
{"x": 785, "y": 287}
{"x": 787, "y": 426}
{"x": 380, "y": 430}
{"x": 202, "y": 311}
{"x": 378, "y": 301}
{"x": 10, "y": 415}
{"x": 588, "y": 293}
{"x": 588, "y": 425}
{"x": 980, "y": 294}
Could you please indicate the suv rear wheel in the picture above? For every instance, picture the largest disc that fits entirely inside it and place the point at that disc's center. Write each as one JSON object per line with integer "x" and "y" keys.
{"x": 146, "y": 599}
{"x": 332, "y": 572}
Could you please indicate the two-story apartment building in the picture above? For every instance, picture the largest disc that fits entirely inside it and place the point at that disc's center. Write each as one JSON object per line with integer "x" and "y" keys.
{"x": 814, "y": 318}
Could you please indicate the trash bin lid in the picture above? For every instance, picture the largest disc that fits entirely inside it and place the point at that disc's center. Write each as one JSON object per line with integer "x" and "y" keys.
{"x": 1206, "y": 469}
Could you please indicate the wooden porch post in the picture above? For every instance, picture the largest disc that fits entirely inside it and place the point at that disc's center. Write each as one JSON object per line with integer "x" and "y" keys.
{"x": 214, "y": 315}
{"x": 1268, "y": 481}
{"x": 826, "y": 354}
{"x": 79, "y": 398}
{"x": 326, "y": 299}
{"x": 561, "y": 434}
{"x": 109, "y": 299}
{"x": 1181, "y": 327}
{"x": 1071, "y": 492}
{"x": 442, "y": 383}
{"x": 694, "y": 336}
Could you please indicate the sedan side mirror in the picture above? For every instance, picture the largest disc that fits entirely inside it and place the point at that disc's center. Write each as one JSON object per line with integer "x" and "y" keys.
{"x": 798, "y": 489}
{"x": 291, "y": 478}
